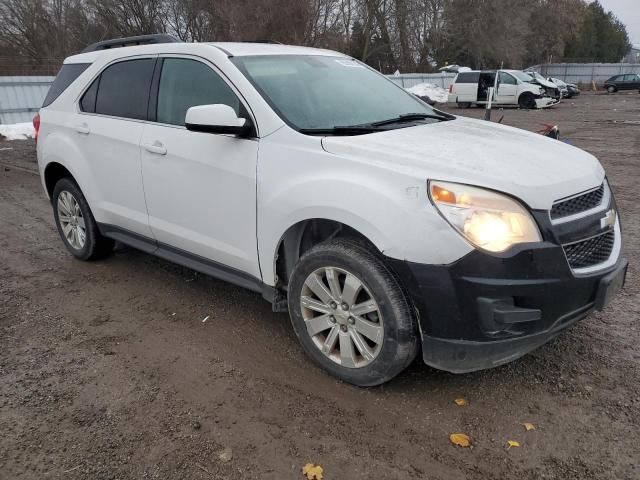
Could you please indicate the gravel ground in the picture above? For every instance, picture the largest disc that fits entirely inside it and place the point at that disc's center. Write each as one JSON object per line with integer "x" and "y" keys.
{"x": 108, "y": 371}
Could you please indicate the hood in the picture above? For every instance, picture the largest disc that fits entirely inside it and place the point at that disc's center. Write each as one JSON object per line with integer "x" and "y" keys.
{"x": 541, "y": 81}
{"x": 534, "y": 168}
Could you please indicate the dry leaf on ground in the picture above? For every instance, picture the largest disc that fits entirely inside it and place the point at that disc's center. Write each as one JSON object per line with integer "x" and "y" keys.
{"x": 528, "y": 426}
{"x": 312, "y": 472}
{"x": 460, "y": 402}
{"x": 512, "y": 443}
{"x": 460, "y": 439}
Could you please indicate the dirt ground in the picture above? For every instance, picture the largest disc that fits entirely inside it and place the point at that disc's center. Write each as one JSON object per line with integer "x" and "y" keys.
{"x": 107, "y": 370}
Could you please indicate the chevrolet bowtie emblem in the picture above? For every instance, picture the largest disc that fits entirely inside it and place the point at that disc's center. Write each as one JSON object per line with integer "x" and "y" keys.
{"x": 609, "y": 219}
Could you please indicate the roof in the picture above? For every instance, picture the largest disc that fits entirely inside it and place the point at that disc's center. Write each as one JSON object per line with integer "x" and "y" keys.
{"x": 238, "y": 49}
{"x": 242, "y": 49}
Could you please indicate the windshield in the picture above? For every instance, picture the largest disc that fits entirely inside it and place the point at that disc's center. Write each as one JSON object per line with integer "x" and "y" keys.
{"x": 312, "y": 92}
{"x": 523, "y": 77}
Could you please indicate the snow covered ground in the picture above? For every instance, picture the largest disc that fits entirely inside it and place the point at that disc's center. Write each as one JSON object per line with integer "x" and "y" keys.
{"x": 17, "y": 131}
{"x": 434, "y": 92}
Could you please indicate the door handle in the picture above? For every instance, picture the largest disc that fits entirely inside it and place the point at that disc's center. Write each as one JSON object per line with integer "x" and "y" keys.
{"x": 156, "y": 147}
{"x": 83, "y": 129}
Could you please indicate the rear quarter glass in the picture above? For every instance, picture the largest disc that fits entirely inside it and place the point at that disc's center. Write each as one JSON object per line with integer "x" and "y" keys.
{"x": 66, "y": 76}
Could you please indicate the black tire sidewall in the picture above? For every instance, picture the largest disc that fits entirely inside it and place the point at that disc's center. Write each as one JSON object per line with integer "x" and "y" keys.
{"x": 400, "y": 341}
{"x": 90, "y": 244}
{"x": 526, "y": 101}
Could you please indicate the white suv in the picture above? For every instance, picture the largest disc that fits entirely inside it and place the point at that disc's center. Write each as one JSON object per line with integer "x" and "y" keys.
{"x": 383, "y": 226}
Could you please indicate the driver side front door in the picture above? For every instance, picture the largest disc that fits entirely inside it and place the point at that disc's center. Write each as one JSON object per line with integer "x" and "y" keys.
{"x": 507, "y": 89}
{"x": 200, "y": 188}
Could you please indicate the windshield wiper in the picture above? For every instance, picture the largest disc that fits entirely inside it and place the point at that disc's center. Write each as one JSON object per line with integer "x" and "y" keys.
{"x": 410, "y": 117}
{"x": 342, "y": 130}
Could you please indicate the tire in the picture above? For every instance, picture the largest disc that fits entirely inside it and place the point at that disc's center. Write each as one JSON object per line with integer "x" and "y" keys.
{"x": 527, "y": 101}
{"x": 611, "y": 89}
{"x": 389, "y": 319}
{"x": 82, "y": 237}
{"x": 463, "y": 104}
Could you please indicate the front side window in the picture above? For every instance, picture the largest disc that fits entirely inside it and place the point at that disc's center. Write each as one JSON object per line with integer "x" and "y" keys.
{"x": 312, "y": 92}
{"x": 121, "y": 90}
{"x": 188, "y": 83}
{"x": 507, "y": 79}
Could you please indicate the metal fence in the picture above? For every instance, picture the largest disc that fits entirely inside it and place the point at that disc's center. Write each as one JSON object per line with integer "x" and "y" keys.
{"x": 21, "y": 97}
{"x": 585, "y": 73}
{"x": 407, "y": 80}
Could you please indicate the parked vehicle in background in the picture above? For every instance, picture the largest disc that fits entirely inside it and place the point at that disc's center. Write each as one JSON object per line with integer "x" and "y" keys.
{"x": 383, "y": 226}
{"x": 568, "y": 90}
{"x": 564, "y": 88}
{"x": 550, "y": 88}
{"x": 574, "y": 90}
{"x": 627, "y": 81}
{"x": 511, "y": 87}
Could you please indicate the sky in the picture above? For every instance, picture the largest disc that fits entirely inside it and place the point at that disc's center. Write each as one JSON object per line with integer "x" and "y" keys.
{"x": 628, "y": 12}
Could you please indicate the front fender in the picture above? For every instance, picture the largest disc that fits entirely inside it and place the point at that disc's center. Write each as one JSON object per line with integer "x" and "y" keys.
{"x": 388, "y": 206}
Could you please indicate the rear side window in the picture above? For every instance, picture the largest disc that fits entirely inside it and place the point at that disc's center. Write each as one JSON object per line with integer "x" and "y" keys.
{"x": 121, "y": 90}
{"x": 468, "y": 77}
{"x": 66, "y": 76}
{"x": 187, "y": 83}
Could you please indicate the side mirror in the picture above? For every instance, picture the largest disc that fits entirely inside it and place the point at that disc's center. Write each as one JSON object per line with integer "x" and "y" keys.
{"x": 216, "y": 118}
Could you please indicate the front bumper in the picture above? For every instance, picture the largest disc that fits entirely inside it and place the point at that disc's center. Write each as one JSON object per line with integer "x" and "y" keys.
{"x": 486, "y": 310}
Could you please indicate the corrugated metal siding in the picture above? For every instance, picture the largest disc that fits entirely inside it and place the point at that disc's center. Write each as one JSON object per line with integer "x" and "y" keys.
{"x": 21, "y": 97}
{"x": 586, "y": 72}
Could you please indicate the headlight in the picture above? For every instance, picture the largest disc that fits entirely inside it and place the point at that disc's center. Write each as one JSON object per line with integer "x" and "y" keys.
{"x": 487, "y": 219}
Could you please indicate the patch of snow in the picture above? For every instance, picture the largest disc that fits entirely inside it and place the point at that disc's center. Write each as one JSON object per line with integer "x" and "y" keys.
{"x": 433, "y": 92}
{"x": 17, "y": 131}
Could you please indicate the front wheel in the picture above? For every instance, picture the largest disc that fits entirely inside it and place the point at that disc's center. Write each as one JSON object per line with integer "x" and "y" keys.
{"x": 611, "y": 89}
{"x": 350, "y": 313}
{"x": 527, "y": 101}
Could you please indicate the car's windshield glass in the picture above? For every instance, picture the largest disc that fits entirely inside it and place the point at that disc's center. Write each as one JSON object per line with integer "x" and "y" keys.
{"x": 312, "y": 92}
{"x": 523, "y": 77}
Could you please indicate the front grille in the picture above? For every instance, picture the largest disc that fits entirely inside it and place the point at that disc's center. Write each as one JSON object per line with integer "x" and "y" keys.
{"x": 592, "y": 251}
{"x": 578, "y": 204}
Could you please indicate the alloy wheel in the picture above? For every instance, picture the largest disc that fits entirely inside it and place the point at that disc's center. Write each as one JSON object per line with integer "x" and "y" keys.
{"x": 71, "y": 220}
{"x": 342, "y": 317}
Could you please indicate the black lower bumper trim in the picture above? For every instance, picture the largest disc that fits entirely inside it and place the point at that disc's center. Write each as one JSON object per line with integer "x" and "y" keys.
{"x": 486, "y": 310}
{"x": 460, "y": 356}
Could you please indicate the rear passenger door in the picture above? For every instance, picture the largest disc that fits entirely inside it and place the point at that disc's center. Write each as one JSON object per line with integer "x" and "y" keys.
{"x": 200, "y": 187}
{"x": 108, "y": 128}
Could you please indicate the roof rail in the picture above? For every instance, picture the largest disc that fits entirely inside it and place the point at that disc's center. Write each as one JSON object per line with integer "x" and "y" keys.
{"x": 130, "y": 41}
{"x": 262, "y": 41}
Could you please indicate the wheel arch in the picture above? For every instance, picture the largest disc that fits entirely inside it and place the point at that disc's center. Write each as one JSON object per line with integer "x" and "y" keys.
{"x": 302, "y": 236}
{"x": 54, "y": 172}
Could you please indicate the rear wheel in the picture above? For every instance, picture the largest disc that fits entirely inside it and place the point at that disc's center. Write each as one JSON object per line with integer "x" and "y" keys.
{"x": 350, "y": 313}
{"x": 464, "y": 104}
{"x": 76, "y": 225}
